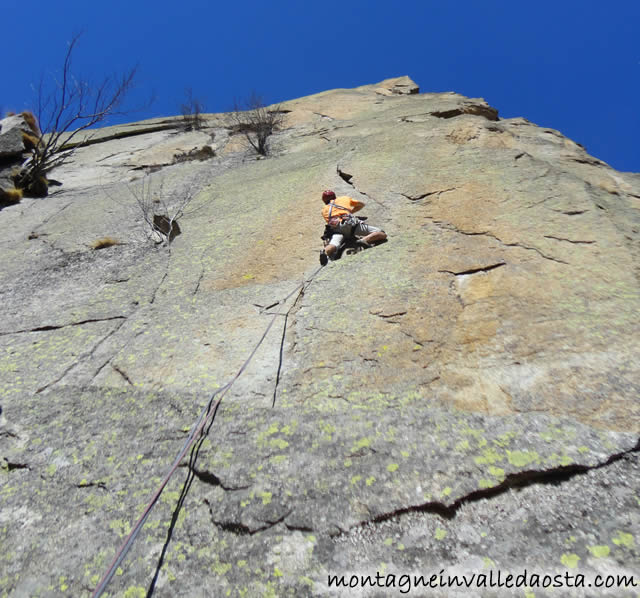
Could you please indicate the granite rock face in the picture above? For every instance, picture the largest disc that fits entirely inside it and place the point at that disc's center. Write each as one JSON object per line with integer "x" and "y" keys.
{"x": 462, "y": 398}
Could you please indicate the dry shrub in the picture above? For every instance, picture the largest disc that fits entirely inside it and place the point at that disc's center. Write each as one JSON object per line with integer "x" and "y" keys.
{"x": 104, "y": 243}
{"x": 256, "y": 122}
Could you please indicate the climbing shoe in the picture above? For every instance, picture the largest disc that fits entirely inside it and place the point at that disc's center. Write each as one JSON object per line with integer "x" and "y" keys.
{"x": 363, "y": 243}
{"x": 324, "y": 259}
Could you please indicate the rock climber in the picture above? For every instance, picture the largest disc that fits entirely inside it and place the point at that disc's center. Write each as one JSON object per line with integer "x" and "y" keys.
{"x": 342, "y": 224}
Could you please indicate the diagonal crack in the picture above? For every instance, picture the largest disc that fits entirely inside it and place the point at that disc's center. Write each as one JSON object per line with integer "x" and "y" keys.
{"x": 164, "y": 277}
{"x": 122, "y": 373}
{"x": 85, "y": 355}
{"x": 346, "y": 177}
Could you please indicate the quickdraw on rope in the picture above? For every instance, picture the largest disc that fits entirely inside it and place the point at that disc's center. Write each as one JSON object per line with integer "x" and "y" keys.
{"x": 207, "y": 415}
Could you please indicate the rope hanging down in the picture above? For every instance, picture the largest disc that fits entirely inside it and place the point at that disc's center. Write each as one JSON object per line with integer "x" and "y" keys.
{"x": 206, "y": 415}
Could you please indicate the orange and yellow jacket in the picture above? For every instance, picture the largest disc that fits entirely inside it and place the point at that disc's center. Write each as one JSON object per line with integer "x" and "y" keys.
{"x": 341, "y": 206}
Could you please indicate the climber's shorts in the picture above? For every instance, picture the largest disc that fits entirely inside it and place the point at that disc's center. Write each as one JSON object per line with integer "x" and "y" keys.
{"x": 347, "y": 228}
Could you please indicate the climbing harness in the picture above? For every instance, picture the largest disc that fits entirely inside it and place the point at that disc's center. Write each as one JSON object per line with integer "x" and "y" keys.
{"x": 207, "y": 415}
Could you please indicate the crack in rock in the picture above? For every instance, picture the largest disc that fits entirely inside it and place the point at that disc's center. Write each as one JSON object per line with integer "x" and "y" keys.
{"x": 241, "y": 529}
{"x": 12, "y": 466}
{"x": 212, "y": 479}
{"x": 576, "y": 242}
{"x": 122, "y": 373}
{"x": 475, "y": 270}
{"x": 572, "y": 212}
{"x": 450, "y": 227}
{"x": 86, "y": 355}
{"x": 387, "y": 313}
{"x": 346, "y": 177}
{"x": 164, "y": 277}
{"x": 100, "y": 485}
{"x": 428, "y": 194}
{"x": 521, "y": 479}
{"x": 59, "y": 326}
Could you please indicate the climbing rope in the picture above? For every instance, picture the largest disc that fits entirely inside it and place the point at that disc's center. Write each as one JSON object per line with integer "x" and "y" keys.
{"x": 207, "y": 415}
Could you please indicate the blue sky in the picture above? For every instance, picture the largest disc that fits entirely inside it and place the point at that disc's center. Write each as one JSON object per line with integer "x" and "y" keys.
{"x": 566, "y": 64}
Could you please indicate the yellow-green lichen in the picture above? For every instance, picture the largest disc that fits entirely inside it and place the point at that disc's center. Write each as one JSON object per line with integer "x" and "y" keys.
{"x": 440, "y": 534}
{"x": 570, "y": 560}
{"x": 266, "y": 497}
{"x": 463, "y": 445}
{"x": 497, "y": 472}
{"x": 488, "y": 457}
{"x": 362, "y": 443}
{"x": 279, "y": 443}
{"x": 523, "y": 458}
{"x": 599, "y": 552}
{"x": 624, "y": 539}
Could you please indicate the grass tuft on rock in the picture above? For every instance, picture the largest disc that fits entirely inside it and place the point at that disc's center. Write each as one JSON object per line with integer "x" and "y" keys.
{"x": 105, "y": 242}
{"x": 10, "y": 196}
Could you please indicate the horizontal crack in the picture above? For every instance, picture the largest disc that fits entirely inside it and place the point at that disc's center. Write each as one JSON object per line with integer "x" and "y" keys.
{"x": 475, "y": 270}
{"x": 212, "y": 479}
{"x": 428, "y": 194}
{"x": 391, "y": 315}
{"x": 59, "y": 326}
{"x": 298, "y": 528}
{"x": 100, "y": 485}
{"x": 450, "y": 227}
{"x": 241, "y": 529}
{"x": 569, "y": 240}
{"x": 514, "y": 480}
{"x": 11, "y": 466}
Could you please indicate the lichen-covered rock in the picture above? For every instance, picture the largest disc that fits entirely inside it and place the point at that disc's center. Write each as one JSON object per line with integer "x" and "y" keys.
{"x": 462, "y": 398}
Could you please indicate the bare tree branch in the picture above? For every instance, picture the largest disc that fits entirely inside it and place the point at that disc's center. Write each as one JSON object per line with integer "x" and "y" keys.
{"x": 69, "y": 107}
{"x": 192, "y": 110}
